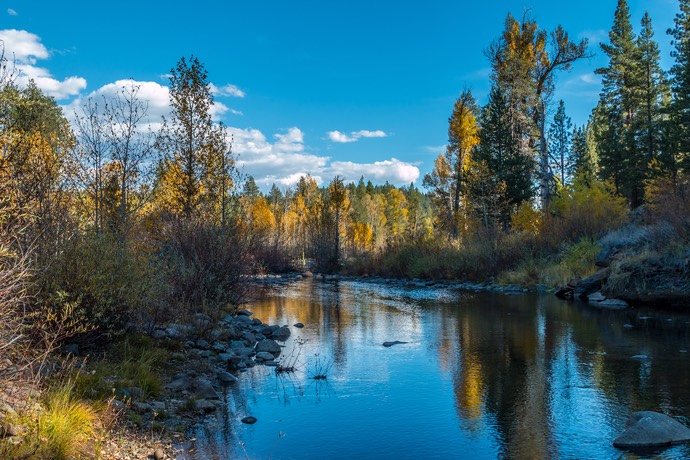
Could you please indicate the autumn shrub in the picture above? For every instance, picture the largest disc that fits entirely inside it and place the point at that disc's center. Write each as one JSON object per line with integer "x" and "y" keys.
{"x": 205, "y": 264}
{"x": 582, "y": 210}
{"x": 108, "y": 285}
{"x": 669, "y": 202}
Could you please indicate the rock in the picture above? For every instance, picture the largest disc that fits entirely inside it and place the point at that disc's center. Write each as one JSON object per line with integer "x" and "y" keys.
{"x": 8, "y": 430}
{"x": 158, "y": 454}
{"x": 218, "y": 347}
{"x": 178, "y": 331}
{"x": 264, "y": 356}
{"x": 298, "y": 325}
{"x": 270, "y": 363}
{"x": 647, "y": 429}
{"x": 243, "y": 312}
{"x": 596, "y": 297}
{"x": 182, "y": 383}
{"x": 592, "y": 283}
{"x": 256, "y": 322}
{"x": 158, "y": 406}
{"x": 268, "y": 345}
{"x": 135, "y": 392}
{"x": 613, "y": 304}
{"x": 226, "y": 377}
{"x": 390, "y": 344}
{"x": 249, "y": 337}
{"x": 159, "y": 334}
{"x": 281, "y": 334}
{"x": 202, "y": 344}
{"x": 269, "y": 330}
{"x": 141, "y": 407}
{"x": 204, "y": 389}
{"x": 640, "y": 357}
{"x": 249, "y": 420}
{"x": 204, "y": 405}
{"x": 243, "y": 320}
{"x": 225, "y": 357}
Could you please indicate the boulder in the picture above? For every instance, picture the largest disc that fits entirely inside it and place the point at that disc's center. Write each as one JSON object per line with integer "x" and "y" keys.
{"x": 282, "y": 333}
{"x": 268, "y": 345}
{"x": 204, "y": 389}
{"x": 226, "y": 377}
{"x": 264, "y": 356}
{"x": 243, "y": 312}
{"x": 648, "y": 429}
{"x": 596, "y": 297}
{"x": 592, "y": 283}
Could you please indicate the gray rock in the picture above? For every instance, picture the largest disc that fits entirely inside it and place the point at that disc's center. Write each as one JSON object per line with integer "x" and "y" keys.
{"x": 8, "y": 430}
{"x": 282, "y": 333}
{"x": 264, "y": 356}
{"x": 298, "y": 325}
{"x": 159, "y": 334}
{"x": 596, "y": 297}
{"x": 613, "y": 304}
{"x": 256, "y": 322}
{"x": 182, "y": 383}
{"x": 268, "y": 345}
{"x": 269, "y": 330}
{"x": 243, "y": 312}
{"x": 244, "y": 351}
{"x": 270, "y": 363}
{"x": 592, "y": 283}
{"x": 249, "y": 420}
{"x": 249, "y": 337}
{"x": 225, "y": 357}
{"x": 218, "y": 347}
{"x": 158, "y": 406}
{"x": 647, "y": 429}
{"x": 203, "y": 344}
{"x": 204, "y": 405}
{"x": 226, "y": 377}
{"x": 243, "y": 320}
{"x": 141, "y": 407}
{"x": 178, "y": 331}
{"x": 236, "y": 344}
{"x": 204, "y": 389}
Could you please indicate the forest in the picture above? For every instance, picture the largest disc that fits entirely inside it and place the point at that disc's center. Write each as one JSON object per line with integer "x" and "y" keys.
{"x": 108, "y": 220}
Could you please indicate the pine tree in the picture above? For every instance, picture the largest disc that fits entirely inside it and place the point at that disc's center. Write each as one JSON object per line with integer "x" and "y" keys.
{"x": 620, "y": 157}
{"x": 561, "y": 145}
{"x": 583, "y": 162}
{"x": 653, "y": 92}
{"x": 680, "y": 83}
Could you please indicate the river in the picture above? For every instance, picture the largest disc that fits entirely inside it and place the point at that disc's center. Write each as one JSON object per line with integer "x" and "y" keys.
{"x": 482, "y": 376}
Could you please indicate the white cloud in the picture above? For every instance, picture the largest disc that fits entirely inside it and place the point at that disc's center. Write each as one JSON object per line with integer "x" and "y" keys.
{"x": 226, "y": 90}
{"x": 595, "y": 36}
{"x": 337, "y": 136}
{"x": 23, "y": 46}
{"x": 26, "y": 49}
{"x": 393, "y": 171}
{"x": 11, "y": 12}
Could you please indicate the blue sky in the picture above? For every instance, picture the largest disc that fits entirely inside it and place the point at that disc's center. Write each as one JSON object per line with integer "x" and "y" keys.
{"x": 338, "y": 87}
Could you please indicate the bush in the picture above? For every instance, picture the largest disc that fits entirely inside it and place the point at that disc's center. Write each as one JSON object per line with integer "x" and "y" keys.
{"x": 108, "y": 285}
{"x": 205, "y": 265}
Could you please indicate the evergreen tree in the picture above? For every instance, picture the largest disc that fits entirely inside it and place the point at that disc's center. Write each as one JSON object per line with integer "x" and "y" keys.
{"x": 620, "y": 157}
{"x": 500, "y": 152}
{"x": 680, "y": 82}
{"x": 561, "y": 145}
{"x": 583, "y": 162}
{"x": 653, "y": 92}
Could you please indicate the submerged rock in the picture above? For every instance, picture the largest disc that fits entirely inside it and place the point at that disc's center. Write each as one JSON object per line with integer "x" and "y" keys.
{"x": 390, "y": 344}
{"x": 648, "y": 429}
{"x": 298, "y": 325}
{"x": 249, "y": 420}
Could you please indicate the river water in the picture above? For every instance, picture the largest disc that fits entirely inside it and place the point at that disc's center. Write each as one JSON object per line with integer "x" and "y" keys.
{"x": 482, "y": 376}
